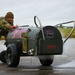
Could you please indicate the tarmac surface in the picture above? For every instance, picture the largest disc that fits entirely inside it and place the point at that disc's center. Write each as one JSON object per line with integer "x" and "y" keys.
{"x": 63, "y": 64}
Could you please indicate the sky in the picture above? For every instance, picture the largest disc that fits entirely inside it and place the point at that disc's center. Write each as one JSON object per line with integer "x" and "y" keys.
{"x": 49, "y": 12}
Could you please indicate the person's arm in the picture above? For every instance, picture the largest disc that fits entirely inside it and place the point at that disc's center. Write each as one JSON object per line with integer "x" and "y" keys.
{"x": 4, "y": 24}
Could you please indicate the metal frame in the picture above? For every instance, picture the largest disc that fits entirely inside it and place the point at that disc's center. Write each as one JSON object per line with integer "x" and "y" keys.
{"x": 71, "y": 30}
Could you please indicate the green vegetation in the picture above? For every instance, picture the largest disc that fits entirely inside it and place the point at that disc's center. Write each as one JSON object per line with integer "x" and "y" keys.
{"x": 65, "y": 31}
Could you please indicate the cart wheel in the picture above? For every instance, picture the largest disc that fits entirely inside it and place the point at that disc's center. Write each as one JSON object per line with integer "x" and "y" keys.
{"x": 2, "y": 56}
{"x": 46, "y": 61}
{"x": 12, "y": 56}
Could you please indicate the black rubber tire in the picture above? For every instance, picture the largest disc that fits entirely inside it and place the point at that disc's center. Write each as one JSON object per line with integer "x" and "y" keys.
{"x": 46, "y": 61}
{"x": 3, "y": 57}
{"x": 12, "y": 56}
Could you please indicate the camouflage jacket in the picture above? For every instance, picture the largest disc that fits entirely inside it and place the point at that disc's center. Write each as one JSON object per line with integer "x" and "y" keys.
{"x": 4, "y": 27}
{"x": 3, "y": 23}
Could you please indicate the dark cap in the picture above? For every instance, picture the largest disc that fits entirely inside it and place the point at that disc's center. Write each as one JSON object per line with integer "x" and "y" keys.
{"x": 9, "y": 14}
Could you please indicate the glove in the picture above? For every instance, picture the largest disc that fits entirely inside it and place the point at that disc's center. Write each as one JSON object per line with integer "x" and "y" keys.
{"x": 12, "y": 27}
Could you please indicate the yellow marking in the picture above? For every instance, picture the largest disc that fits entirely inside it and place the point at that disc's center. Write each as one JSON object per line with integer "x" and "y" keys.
{"x": 24, "y": 42}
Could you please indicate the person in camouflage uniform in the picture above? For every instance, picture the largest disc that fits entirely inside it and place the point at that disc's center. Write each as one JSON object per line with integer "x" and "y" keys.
{"x": 5, "y": 23}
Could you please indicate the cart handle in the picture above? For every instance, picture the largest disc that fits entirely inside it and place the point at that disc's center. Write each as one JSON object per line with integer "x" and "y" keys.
{"x": 36, "y": 18}
{"x": 71, "y": 30}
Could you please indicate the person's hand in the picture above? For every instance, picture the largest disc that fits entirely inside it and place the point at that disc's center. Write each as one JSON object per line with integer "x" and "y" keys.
{"x": 12, "y": 27}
